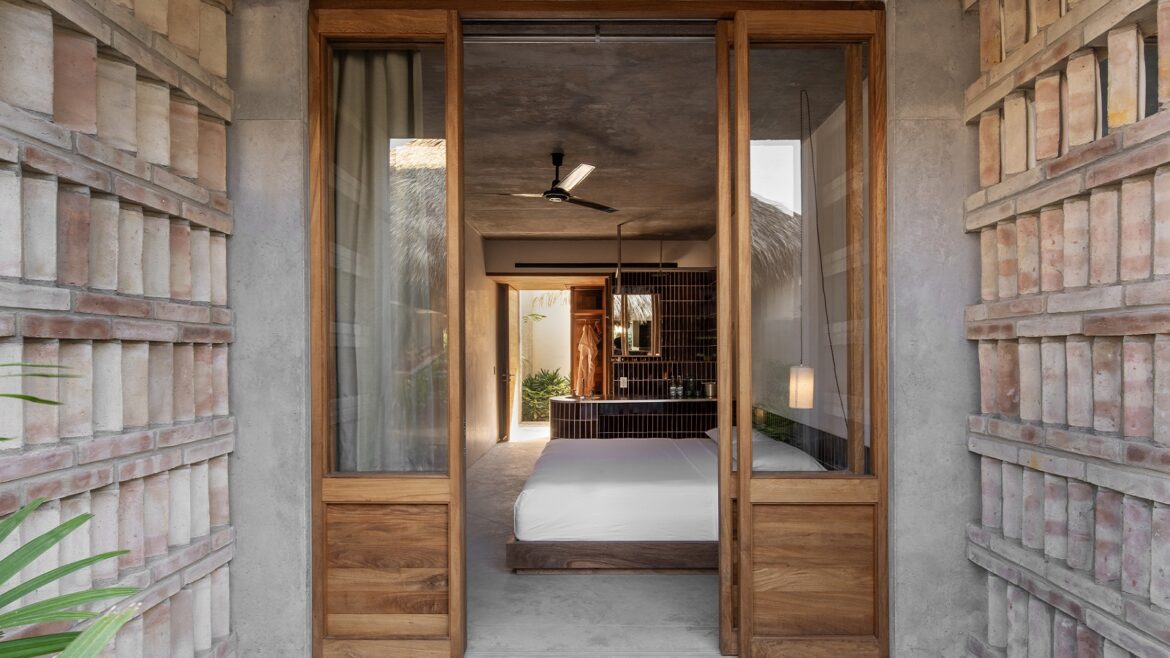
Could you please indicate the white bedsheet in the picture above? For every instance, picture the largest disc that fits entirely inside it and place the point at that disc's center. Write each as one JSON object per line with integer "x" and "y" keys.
{"x": 621, "y": 490}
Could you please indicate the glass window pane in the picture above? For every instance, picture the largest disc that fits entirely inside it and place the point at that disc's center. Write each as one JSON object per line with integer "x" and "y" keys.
{"x": 809, "y": 272}
{"x": 390, "y": 261}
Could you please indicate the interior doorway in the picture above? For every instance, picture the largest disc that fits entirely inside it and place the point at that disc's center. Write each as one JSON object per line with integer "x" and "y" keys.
{"x": 395, "y": 508}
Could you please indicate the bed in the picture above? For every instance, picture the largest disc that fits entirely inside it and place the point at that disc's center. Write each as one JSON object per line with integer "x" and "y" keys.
{"x": 627, "y": 504}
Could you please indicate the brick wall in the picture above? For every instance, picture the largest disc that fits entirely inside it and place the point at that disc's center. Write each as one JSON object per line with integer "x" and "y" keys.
{"x": 1073, "y": 327}
{"x": 114, "y": 221}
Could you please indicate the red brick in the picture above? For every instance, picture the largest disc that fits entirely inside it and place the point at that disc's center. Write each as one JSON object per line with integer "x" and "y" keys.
{"x": 1128, "y": 324}
{"x": 109, "y": 447}
{"x": 41, "y": 420}
{"x": 72, "y": 235}
{"x": 1107, "y": 537}
{"x": 1048, "y": 116}
{"x": 1137, "y": 206}
{"x": 212, "y": 154}
{"x": 1030, "y": 380}
{"x": 1076, "y": 242}
{"x": 181, "y": 559}
{"x": 162, "y": 388}
{"x": 1080, "y": 525}
{"x": 1007, "y": 380}
{"x": 157, "y": 462}
{"x": 1103, "y": 235}
{"x": 185, "y": 433}
{"x": 204, "y": 451}
{"x": 156, "y": 512}
{"x": 1128, "y": 163}
{"x": 131, "y": 521}
{"x": 204, "y": 393}
{"x": 990, "y": 330}
{"x": 1082, "y": 155}
{"x": 1125, "y": 64}
{"x": 180, "y": 260}
{"x": 1161, "y": 249}
{"x": 1107, "y": 384}
{"x": 70, "y": 170}
{"x": 221, "y": 426}
{"x": 146, "y": 196}
{"x": 1084, "y": 443}
{"x": 88, "y": 302}
{"x": 1160, "y": 545}
{"x": 1138, "y": 393}
{"x": 1078, "y": 350}
{"x": 206, "y": 334}
{"x": 989, "y": 148}
{"x": 35, "y": 462}
{"x": 74, "y": 482}
{"x": 182, "y": 312}
{"x": 1006, "y": 252}
{"x": 219, "y": 385}
{"x": 35, "y": 325}
{"x": 1146, "y": 456}
{"x": 216, "y": 221}
{"x": 219, "y": 505}
{"x": 1083, "y": 94}
{"x": 156, "y": 633}
{"x": 1028, "y": 254}
{"x": 1052, "y": 249}
{"x": 159, "y": 332}
{"x": 184, "y": 373}
{"x": 221, "y": 315}
{"x": 1053, "y": 378}
{"x": 75, "y": 81}
{"x": 112, "y": 157}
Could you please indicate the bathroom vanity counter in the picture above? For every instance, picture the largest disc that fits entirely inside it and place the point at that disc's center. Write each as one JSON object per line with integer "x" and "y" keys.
{"x": 611, "y": 418}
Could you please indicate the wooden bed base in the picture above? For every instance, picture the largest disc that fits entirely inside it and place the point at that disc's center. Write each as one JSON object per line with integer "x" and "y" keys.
{"x": 611, "y": 555}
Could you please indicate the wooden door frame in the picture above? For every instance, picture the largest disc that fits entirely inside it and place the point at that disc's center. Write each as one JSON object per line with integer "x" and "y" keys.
{"x": 439, "y": 21}
{"x": 852, "y": 487}
{"x": 386, "y": 27}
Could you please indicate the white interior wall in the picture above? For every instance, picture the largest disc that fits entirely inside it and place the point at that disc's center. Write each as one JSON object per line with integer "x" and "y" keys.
{"x": 545, "y": 343}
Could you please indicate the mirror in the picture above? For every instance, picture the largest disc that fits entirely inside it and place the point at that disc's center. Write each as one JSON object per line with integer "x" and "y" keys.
{"x": 636, "y": 326}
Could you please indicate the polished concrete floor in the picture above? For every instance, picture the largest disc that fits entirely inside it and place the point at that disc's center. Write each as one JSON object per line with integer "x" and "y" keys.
{"x": 571, "y": 615}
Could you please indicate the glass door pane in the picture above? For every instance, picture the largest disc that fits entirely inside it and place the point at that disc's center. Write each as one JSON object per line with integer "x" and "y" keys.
{"x": 809, "y": 272}
{"x": 389, "y": 260}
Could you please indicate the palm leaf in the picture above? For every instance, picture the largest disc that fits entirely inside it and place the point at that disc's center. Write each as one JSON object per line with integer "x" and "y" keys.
{"x": 17, "y": 364}
{"x": 23, "y": 556}
{"x": 43, "y": 645}
{"x": 12, "y": 522}
{"x": 28, "y": 398}
{"x": 55, "y": 609}
{"x": 93, "y": 639}
{"x": 33, "y": 584}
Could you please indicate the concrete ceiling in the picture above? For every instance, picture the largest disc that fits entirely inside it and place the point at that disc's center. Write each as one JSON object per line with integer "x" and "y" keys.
{"x": 642, "y": 112}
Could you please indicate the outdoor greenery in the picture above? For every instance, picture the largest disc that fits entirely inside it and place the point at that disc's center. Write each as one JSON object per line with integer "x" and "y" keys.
{"x": 537, "y": 389}
{"x": 68, "y": 607}
{"x": 65, "y": 607}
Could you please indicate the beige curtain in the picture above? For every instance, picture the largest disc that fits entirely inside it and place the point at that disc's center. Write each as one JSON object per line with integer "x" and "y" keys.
{"x": 390, "y": 266}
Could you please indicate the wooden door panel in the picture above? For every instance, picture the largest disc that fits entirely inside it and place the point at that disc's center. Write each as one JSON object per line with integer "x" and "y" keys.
{"x": 813, "y": 570}
{"x": 815, "y": 647}
{"x": 386, "y": 571}
{"x": 365, "y": 648}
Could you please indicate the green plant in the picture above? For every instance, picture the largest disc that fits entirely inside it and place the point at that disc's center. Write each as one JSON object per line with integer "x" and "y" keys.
{"x": 537, "y": 389}
{"x": 65, "y": 607}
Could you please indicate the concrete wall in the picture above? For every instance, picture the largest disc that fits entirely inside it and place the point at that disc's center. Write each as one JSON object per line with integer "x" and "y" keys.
{"x": 480, "y": 367}
{"x": 267, "y": 154}
{"x": 933, "y": 481}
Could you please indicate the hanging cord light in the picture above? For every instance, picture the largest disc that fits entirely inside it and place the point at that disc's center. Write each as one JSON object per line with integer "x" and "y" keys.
{"x": 798, "y": 382}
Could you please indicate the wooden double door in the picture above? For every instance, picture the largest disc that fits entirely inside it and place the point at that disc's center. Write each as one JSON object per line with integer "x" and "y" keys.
{"x": 802, "y": 554}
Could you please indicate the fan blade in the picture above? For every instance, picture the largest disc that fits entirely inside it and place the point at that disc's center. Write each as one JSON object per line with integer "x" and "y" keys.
{"x": 589, "y": 204}
{"x": 576, "y": 176}
{"x": 524, "y": 195}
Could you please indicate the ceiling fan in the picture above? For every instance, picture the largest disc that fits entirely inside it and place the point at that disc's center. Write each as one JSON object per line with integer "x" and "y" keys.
{"x": 561, "y": 190}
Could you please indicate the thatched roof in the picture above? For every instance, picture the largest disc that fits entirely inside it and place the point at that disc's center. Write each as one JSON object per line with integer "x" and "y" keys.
{"x": 775, "y": 243}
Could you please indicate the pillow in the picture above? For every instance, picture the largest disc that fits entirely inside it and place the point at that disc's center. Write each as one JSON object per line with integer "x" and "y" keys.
{"x": 768, "y": 454}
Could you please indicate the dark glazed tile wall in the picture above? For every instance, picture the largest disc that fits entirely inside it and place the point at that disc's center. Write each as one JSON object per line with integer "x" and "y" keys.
{"x": 687, "y": 303}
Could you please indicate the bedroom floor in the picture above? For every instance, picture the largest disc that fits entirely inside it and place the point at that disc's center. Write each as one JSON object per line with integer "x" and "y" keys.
{"x": 571, "y": 615}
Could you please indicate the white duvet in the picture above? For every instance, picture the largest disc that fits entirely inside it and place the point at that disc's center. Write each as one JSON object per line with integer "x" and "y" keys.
{"x": 621, "y": 490}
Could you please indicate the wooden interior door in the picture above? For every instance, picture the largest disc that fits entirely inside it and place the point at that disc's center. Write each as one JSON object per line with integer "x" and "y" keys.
{"x": 388, "y": 559}
{"x": 507, "y": 353}
{"x": 810, "y": 555}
